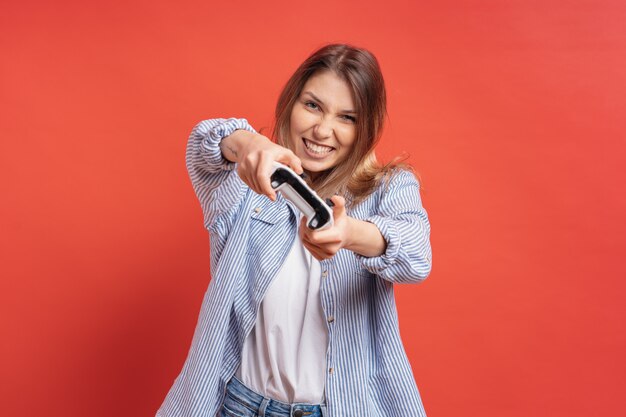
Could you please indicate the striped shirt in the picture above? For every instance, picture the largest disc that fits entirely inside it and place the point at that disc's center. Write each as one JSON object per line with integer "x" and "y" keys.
{"x": 368, "y": 371}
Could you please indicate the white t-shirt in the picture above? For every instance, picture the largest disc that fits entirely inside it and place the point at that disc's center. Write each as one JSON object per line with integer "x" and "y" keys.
{"x": 284, "y": 356}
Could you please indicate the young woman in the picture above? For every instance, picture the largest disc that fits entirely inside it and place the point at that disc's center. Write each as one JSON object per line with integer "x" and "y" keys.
{"x": 298, "y": 322}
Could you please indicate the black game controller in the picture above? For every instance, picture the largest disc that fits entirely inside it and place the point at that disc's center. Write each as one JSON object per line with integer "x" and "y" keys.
{"x": 318, "y": 214}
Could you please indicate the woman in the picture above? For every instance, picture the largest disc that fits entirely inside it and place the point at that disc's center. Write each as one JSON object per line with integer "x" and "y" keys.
{"x": 298, "y": 322}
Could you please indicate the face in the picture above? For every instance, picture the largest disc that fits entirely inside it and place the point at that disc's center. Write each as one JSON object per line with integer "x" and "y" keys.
{"x": 323, "y": 123}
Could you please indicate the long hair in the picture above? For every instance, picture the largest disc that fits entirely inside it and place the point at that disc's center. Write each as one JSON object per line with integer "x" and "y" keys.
{"x": 360, "y": 173}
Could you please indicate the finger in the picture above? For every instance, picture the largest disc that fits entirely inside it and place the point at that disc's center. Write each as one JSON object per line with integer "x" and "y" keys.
{"x": 319, "y": 250}
{"x": 253, "y": 184}
{"x": 328, "y": 252}
{"x": 302, "y": 230}
{"x": 263, "y": 176}
{"x": 332, "y": 250}
{"x": 316, "y": 252}
{"x": 248, "y": 168}
{"x": 304, "y": 225}
{"x": 322, "y": 251}
{"x": 244, "y": 177}
{"x": 303, "y": 221}
{"x": 339, "y": 208}
{"x": 289, "y": 158}
{"x": 320, "y": 257}
{"x": 307, "y": 235}
{"x": 316, "y": 238}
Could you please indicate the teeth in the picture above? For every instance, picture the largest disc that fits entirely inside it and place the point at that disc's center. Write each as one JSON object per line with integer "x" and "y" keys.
{"x": 319, "y": 149}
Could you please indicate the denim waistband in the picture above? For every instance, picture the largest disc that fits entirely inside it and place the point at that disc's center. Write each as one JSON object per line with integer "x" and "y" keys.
{"x": 268, "y": 407}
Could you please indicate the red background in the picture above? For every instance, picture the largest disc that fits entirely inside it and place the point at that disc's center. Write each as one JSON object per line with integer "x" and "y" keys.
{"x": 511, "y": 111}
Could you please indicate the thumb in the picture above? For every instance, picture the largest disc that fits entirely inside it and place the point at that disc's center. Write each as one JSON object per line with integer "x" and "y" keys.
{"x": 339, "y": 206}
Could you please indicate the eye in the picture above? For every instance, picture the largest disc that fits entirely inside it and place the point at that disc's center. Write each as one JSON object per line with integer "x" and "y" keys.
{"x": 311, "y": 104}
{"x": 348, "y": 118}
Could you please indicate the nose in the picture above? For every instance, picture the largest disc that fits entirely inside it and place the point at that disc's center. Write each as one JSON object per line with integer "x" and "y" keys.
{"x": 324, "y": 128}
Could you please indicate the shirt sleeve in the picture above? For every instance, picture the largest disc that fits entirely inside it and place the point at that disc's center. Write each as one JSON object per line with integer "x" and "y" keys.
{"x": 404, "y": 224}
{"x": 214, "y": 179}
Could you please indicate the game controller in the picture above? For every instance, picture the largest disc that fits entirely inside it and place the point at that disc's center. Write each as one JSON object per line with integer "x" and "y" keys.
{"x": 317, "y": 212}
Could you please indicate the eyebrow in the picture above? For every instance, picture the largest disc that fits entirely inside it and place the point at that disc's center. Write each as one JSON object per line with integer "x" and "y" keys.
{"x": 322, "y": 103}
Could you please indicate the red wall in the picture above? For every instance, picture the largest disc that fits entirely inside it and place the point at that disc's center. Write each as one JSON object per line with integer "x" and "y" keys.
{"x": 512, "y": 112}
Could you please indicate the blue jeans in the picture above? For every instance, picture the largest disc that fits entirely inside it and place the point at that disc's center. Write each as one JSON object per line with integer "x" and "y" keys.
{"x": 241, "y": 401}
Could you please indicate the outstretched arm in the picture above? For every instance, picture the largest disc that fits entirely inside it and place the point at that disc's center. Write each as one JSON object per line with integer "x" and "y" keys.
{"x": 393, "y": 244}
{"x": 217, "y": 147}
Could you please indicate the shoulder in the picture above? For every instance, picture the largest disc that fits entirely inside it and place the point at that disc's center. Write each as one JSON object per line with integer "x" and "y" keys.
{"x": 397, "y": 178}
{"x": 399, "y": 191}
{"x": 394, "y": 186}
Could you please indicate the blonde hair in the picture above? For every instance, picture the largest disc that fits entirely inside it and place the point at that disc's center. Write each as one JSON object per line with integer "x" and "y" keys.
{"x": 360, "y": 173}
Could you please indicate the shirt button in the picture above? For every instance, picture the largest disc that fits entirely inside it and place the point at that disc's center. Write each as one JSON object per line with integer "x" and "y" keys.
{"x": 330, "y": 371}
{"x": 331, "y": 319}
{"x": 257, "y": 210}
{"x": 324, "y": 274}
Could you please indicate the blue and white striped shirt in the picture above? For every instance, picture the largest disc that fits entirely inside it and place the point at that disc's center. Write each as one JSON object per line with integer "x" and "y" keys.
{"x": 368, "y": 371}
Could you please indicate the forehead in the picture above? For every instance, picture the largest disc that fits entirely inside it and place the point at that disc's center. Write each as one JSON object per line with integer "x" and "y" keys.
{"x": 332, "y": 90}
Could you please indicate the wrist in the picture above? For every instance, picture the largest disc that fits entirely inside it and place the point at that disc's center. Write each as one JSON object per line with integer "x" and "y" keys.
{"x": 232, "y": 144}
{"x": 351, "y": 231}
{"x": 364, "y": 238}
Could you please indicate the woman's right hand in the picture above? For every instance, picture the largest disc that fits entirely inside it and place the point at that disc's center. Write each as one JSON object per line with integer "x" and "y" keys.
{"x": 255, "y": 155}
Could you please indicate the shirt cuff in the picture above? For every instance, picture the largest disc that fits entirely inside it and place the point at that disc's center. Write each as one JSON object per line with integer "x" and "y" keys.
{"x": 387, "y": 227}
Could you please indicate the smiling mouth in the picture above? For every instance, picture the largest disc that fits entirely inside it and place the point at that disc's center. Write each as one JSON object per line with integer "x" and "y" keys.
{"x": 316, "y": 148}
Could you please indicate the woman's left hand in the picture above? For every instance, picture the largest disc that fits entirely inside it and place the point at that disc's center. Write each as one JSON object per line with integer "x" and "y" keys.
{"x": 358, "y": 236}
{"x": 324, "y": 244}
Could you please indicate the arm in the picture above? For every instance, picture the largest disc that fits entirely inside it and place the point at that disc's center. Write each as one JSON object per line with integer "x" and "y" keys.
{"x": 393, "y": 244}
{"x": 215, "y": 148}
{"x": 349, "y": 233}
{"x": 213, "y": 177}
{"x": 404, "y": 225}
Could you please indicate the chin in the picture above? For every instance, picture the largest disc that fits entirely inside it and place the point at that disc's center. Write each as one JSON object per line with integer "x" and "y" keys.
{"x": 314, "y": 171}
{"x": 315, "y": 167}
